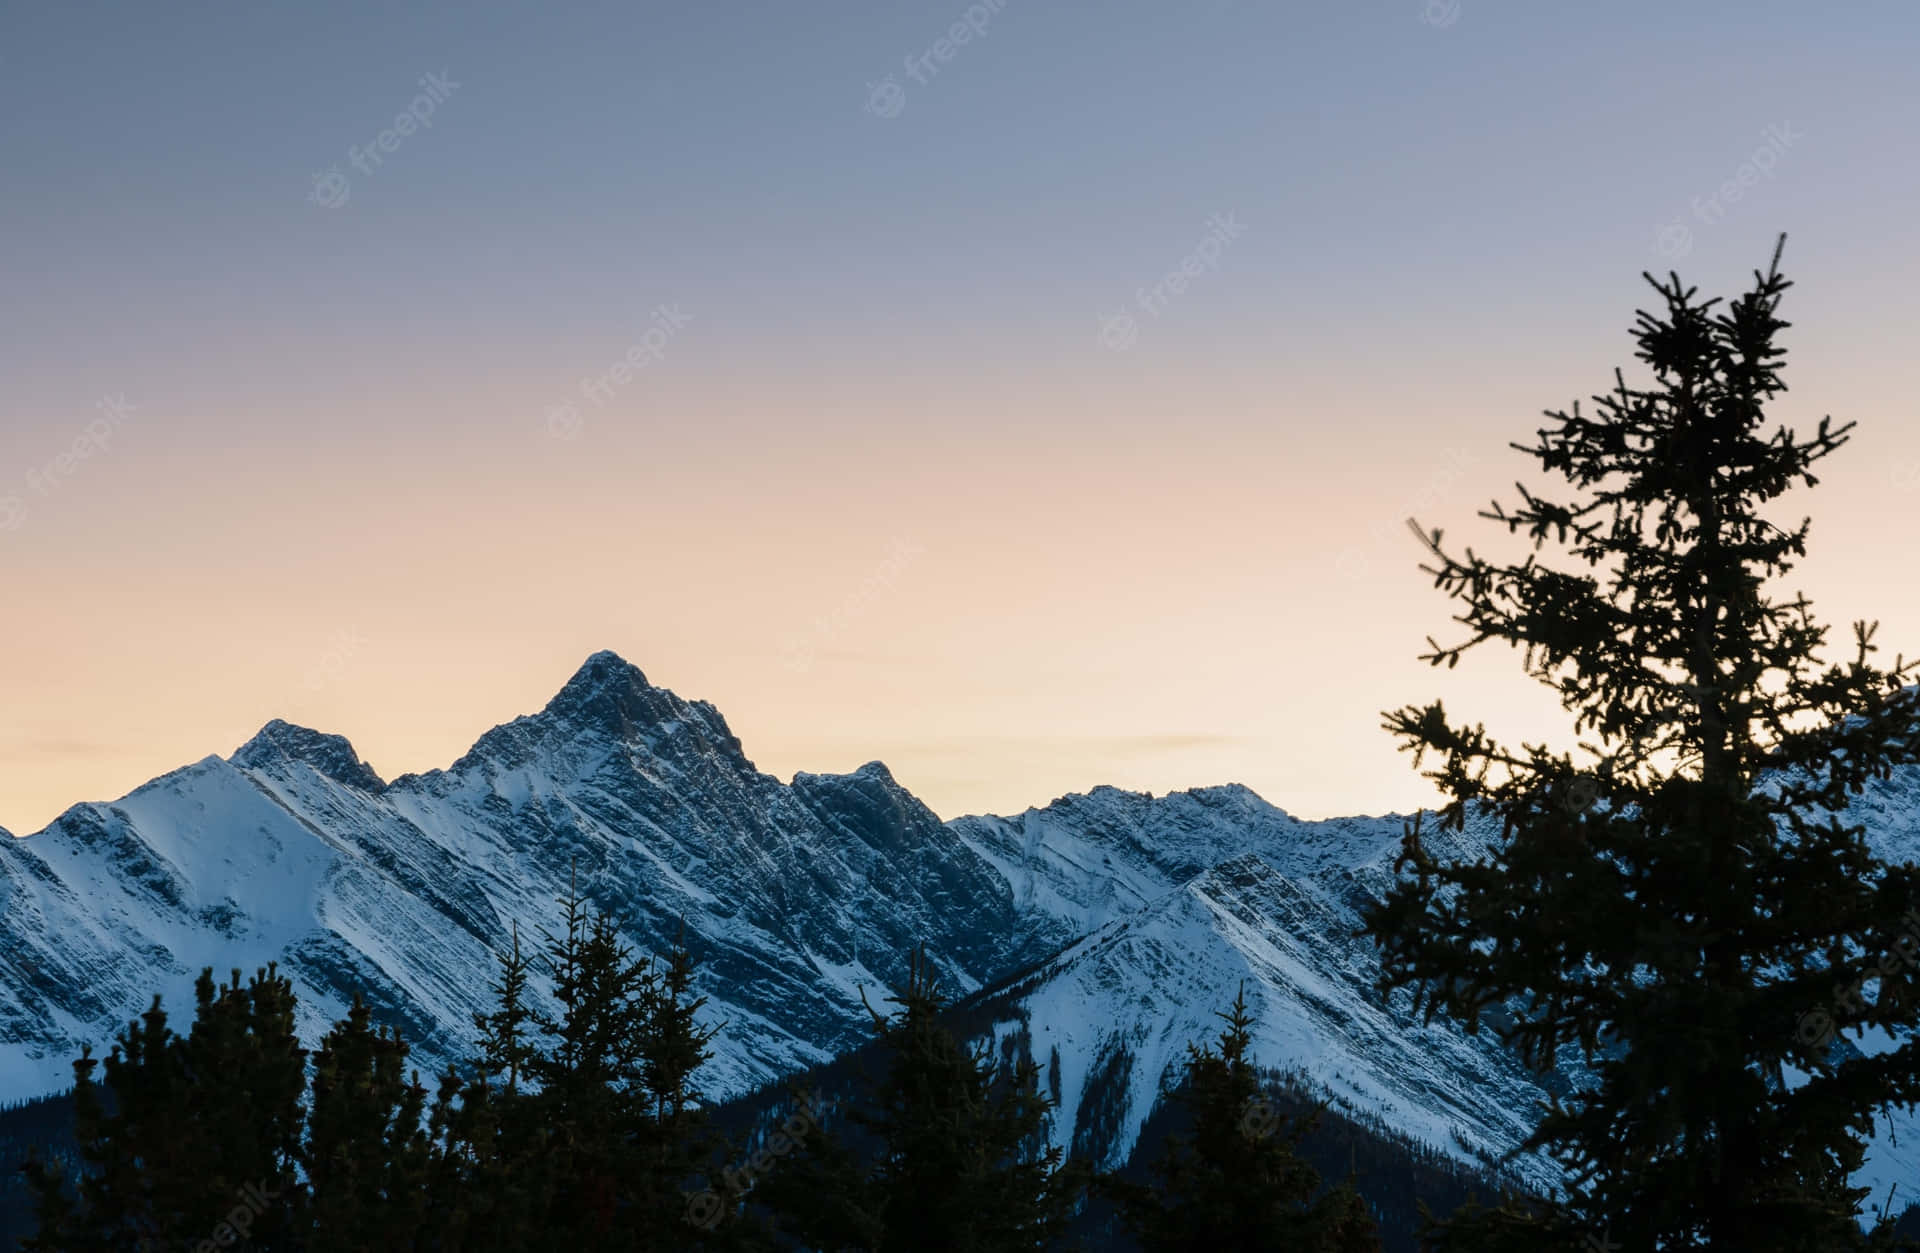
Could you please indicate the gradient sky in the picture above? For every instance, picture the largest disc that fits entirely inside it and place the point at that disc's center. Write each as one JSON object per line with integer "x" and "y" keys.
{"x": 894, "y": 477}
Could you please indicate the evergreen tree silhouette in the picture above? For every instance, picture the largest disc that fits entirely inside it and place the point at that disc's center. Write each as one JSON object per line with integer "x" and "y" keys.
{"x": 588, "y": 1072}
{"x": 599, "y": 1128}
{"x": 203, "y": 1136}
{"x": 595, "y": 1141}
{"x": 1685, "y": 909}
{"x": 676, "y": 1139}
{"x": 504, "y": 1047}
{"x": 1235, "y": 1181}
{"x": 957, "y": 1165}
{"x": 367, "y": 1153}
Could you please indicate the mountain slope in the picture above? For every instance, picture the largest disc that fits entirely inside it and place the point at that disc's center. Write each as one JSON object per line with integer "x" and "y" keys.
{"x": 1100, "y": 933}
{"x": 294, "y": 851}
{"x": 1274, "y": 905}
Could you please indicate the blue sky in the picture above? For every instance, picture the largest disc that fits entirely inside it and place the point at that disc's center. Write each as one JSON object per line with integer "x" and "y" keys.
{"x": 343, "y": 412}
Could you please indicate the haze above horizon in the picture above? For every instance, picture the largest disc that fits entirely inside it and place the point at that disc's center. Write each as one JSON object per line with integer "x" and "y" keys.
{"x": 1031, "y": 409}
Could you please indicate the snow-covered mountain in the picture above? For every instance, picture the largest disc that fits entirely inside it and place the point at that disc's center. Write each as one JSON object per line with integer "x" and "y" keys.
{"x": 1104, "y": 930}
{"x": 1186, "y": 898}
{"x": 293, "y": 850}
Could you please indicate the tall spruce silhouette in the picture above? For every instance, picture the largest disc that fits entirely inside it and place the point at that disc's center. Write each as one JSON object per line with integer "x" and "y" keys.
{"x": 954, "y": 1158}
{"x": 1234, "y": 1181}
{"x": 1685, "y": 908}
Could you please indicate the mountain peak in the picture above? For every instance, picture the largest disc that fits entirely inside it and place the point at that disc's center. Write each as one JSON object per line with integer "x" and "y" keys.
{"x": 605, "y": 687}
{"x": 606, "y": 660}
{"x": 608, "y": 701}
{"x": 331, "y": 755}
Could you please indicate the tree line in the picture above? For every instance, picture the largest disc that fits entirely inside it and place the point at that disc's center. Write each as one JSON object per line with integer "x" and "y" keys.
{"x": 579, "y": 1123}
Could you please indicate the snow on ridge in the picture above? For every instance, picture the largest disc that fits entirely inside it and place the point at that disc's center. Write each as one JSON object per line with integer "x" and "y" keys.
{"x": 1134, "y": 917}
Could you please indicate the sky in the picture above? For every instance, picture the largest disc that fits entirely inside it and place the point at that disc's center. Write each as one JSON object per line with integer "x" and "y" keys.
{"x": 1026, "y": 395}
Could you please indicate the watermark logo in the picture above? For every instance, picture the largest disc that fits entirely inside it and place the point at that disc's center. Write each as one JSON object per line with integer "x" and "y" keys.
{"x": 1260, "y": 1119}
{"x": 1440, "y": 14}
{"x": 235, "y": 1229}
{"x": 1674, "y": 239}
{"x": 333, "y": 188}
{"x": 1120, "y": 331}
{"x": 709, "y": 1206}
{"x": 888, "y": 99}
{"x": 802, "y": 651}
{"x": 564, "y": 421}
{"x": 45, "y": 481}
{"x": 1355, "y": 562}
{"x": 1818, "y": 1026}
{"x": 341, "y": 649}
{"x": 1581, "y": 795}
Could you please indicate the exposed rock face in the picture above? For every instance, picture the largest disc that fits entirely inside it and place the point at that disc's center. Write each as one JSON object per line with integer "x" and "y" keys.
{"x": 1103, "y": 931}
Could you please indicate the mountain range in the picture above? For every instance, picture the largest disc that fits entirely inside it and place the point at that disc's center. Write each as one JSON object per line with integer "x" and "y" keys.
{"x": 1103, "y": 932}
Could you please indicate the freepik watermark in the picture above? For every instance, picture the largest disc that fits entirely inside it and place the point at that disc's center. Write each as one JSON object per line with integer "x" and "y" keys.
{"x": 332, "y": 188}
{"x": 44, "y": 481}
{"x": 343, "y": 648}
{"x": 564, "y": 421}
{"x": 887, "y": 98}
{"x": 707, "y": 1208}
{"x": 1354, "y": 563}
{"x": 1440, "y": 14}
{"x": 1259, "y": 1119}
{"x": 236, "y": 1228}
{"x": 1675, "y": 239}
{"x": 800, "y": 652}
{"x": 1120, "y": 331}
{"x": 1819, "y": 1025}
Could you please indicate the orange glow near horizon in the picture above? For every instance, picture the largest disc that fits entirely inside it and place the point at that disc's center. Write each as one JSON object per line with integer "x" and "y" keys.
{"x": 663, "y": 336}
{"x": 1001, "y": 623}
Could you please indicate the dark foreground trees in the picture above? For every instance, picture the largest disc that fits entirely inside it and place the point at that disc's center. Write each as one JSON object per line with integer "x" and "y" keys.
{"x": 578, "y": 1128}
{"x": 1236, "y": 1181}
{"x": 1684, "y": 907}
{"x": 948, "y": 1154}
{"x": 203, "y": 1139}
{"x": 581, "y": 1126}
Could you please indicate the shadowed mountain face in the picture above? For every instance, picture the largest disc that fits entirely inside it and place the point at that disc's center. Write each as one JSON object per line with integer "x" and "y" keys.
{"x": 294, "y": 851}
{"x": 1102, "y": 932}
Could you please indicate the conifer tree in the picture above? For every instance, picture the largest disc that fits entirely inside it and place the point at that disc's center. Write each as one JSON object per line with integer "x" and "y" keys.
{"x": 195, "y": 1138}
{"x": 1684, "y": 908}
{"x": 493, "y": 1186}
{"x": 676, "y": 1141}
{"x": 587, "y": 1072}
{"x": 366, "y": 1153}
{"x": 504, "y": 1048}
{"x": 593, "y": 1141}
{"x": 673, "y": 1046}
{"x": 1236, "y": 1181}
{"x": 957, "y": 1169}
{"x": 607, "y": 1136}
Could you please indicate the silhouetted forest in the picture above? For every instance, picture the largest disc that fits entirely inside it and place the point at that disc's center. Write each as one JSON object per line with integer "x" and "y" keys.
{"x": 583, "y": 1126}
